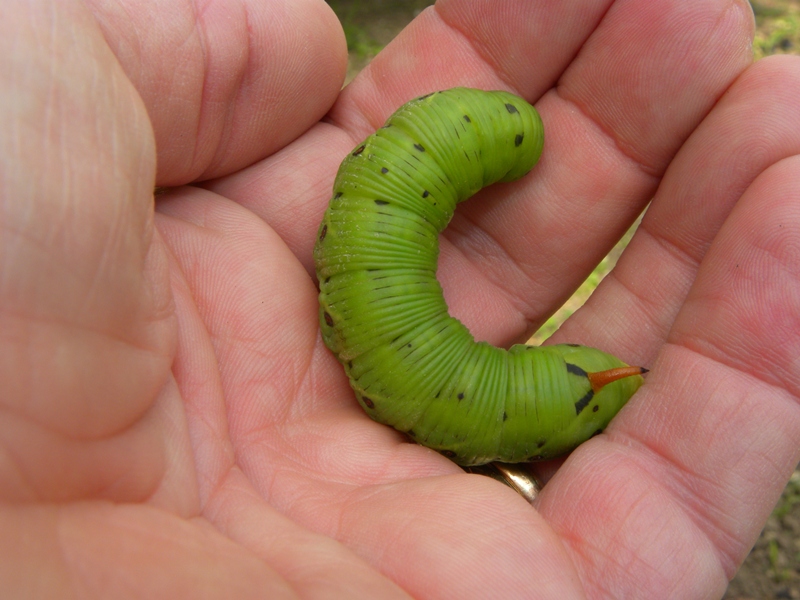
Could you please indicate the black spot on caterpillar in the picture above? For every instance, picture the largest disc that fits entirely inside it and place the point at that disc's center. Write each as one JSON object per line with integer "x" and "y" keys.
{"x": 382, "y": 312}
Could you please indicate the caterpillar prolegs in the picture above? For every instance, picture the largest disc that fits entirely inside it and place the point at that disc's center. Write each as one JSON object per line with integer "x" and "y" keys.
{"x": 382, "y": 311}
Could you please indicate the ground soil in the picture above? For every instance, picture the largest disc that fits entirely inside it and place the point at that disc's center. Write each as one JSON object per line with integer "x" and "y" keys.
{"x": 772, "y": 570}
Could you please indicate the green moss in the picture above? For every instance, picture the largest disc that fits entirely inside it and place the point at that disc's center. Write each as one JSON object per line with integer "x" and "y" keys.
{"x": 790, "y": 498}
{"x": 777, "y": 28}
{"x": 359, "y": 41}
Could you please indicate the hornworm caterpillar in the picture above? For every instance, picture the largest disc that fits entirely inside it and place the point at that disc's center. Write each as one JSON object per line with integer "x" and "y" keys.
{"x": 382, "y": 311}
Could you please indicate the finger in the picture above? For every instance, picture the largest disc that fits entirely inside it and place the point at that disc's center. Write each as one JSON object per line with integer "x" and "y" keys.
{"x": 229, "y": 84}
{"x": 619, "y": 112}
{"x": 692, "y": 469}
{"x": 87, "y": 329}
{"x": 747, "y": 132}
{"x": 512, "y": 256}
{"x": 86, "y": 320}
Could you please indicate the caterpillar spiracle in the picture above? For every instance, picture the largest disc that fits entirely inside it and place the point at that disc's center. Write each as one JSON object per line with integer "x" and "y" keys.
{"x": 382, "y": 312}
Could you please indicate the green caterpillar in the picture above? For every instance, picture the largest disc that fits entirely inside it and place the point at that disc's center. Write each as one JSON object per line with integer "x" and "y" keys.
{"x": 382, "y": 311}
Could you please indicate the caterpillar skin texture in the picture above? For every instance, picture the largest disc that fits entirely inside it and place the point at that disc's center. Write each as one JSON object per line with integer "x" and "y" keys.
{"x": 382, "y": 311}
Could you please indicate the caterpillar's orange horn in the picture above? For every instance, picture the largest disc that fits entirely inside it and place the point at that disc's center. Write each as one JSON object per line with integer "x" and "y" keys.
{"x": 602, "y": 378}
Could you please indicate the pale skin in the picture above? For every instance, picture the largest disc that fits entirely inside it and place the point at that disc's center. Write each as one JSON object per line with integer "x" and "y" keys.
{"x": 173, "y": 426}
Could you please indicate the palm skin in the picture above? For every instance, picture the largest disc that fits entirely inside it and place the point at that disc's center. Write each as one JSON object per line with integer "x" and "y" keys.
{"x": 173, "y": 425}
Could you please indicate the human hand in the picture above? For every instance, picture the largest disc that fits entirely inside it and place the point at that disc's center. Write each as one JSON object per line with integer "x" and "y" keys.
{"x": 173, "y": 424}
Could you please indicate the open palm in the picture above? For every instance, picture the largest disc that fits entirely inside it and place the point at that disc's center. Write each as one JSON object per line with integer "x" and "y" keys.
{"x": 172, "y": 424}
